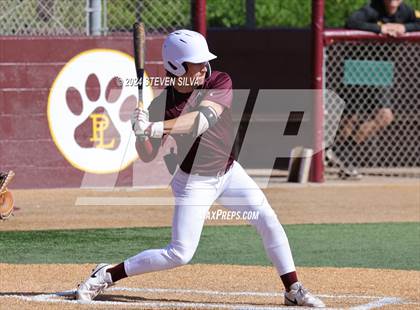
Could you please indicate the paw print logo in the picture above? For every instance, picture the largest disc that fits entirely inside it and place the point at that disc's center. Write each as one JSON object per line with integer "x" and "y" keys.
{"x": 89, "y": 111}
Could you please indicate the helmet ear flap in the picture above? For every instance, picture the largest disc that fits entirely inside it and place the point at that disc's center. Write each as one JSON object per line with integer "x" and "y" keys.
{"x": 182, "y": 69}
{"x": 172, "y": 65}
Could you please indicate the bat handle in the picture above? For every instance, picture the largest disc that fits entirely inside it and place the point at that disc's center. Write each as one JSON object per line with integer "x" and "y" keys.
{"x": 140, "y": 101}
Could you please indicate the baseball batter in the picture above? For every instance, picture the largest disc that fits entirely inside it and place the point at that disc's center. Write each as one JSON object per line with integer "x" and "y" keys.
{"x": 198, "y": 116}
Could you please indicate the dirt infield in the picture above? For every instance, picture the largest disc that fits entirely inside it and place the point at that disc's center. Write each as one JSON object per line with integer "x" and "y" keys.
{"x": 294, "y": 204}
{"x": 210, "y": 286}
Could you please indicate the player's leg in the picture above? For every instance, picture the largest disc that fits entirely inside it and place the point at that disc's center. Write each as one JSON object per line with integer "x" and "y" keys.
{"x": 378, "y": 113}
{"x": 242, "y": 194}
{"x": 380, "y": 120}
{"x": 338, "y": 154}
{"x": 346, "y": 128}
{"x": 193, "y": 197}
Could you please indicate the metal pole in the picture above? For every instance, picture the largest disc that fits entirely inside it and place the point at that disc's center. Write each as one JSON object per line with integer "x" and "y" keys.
{"x": 87, "y": 18}
{"x": 250, "y": 13}
{"x": 105, "y": 18}
{"x": 199, "y": 16}
{"x": 317, "y": 171}
{"x": 94, "y": 10}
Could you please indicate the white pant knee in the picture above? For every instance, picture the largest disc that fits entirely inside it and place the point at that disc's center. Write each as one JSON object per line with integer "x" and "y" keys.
{"x": 174, "y": 255}
{"x": 269, "y": 228}
{"x": 180, "y": 254}
{"x": 275, "y": 240}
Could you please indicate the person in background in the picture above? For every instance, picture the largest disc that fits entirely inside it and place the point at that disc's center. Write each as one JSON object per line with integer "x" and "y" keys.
{"x": 387, "y": 17}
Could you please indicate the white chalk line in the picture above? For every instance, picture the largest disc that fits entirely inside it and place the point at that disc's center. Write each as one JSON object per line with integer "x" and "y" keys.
{"x": 207, "y": 292}
{"x": 188, "y": 305}
{"x": 379, "y": 303}
{"x": 52, "y": 298}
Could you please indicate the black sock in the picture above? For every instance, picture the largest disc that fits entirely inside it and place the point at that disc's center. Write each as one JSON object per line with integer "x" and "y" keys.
{"x": 288, "y": 279}
{"x": 117, "y": 272}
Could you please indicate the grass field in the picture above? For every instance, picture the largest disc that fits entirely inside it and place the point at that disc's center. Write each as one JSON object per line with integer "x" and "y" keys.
{"x": 354, "y": 244}
{"x": 376, "y": 245}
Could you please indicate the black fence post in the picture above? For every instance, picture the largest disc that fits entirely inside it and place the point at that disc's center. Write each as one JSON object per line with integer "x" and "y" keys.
{"x": 250, "y": 14}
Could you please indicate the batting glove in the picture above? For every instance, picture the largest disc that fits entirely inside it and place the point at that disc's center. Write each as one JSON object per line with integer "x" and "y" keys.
{"x": 143, "y": 128}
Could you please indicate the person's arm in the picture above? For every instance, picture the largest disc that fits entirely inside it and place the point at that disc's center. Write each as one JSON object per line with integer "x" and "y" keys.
{"x": 148, "y": 147}
{"x": 413, "y": 20}
{"x": 217, "y": 99}
{"x": 184, "y": 124}
{"x": 364, "y": 19}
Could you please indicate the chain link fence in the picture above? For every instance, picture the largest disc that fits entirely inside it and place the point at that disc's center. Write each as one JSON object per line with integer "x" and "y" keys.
{"x": 91, "y": 17}
{"x": 378, "y": 132}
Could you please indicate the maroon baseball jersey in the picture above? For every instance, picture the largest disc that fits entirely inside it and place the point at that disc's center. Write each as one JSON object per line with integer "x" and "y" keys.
{"x": 211, "y": 152}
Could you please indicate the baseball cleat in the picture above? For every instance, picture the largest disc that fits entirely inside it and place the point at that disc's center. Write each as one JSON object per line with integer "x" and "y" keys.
{"x": 349, "y": 173}
{"x": 97, "y": 282}
{"x": 345, "y": 171}
{"x": 299, "y": 296}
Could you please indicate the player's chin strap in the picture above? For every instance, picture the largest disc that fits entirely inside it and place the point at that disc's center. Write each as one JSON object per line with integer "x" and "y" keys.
{"x": 207, "y": 117}
{"x": 208, "y": 73}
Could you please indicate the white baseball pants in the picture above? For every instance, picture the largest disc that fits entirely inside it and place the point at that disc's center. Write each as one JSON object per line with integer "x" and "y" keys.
{"x": 194, "y": 195}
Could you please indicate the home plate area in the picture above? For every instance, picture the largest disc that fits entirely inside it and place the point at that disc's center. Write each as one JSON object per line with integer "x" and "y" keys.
{"x": 156, "y": 298}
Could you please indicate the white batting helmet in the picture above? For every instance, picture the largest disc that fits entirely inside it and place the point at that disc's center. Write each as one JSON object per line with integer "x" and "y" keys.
{"x": 184, "y": 46}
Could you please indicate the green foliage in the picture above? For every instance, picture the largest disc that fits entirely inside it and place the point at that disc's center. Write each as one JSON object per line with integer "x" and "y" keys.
{"x": 379, "y": 245}
{"x": 121, "y": 15}
{"x": 155, "y": 14}
{"x": 222, "y": 13}
{"x": 70, "y": 16}
{"x": 337, "y": 11}
{"x": 270, "y": 13}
